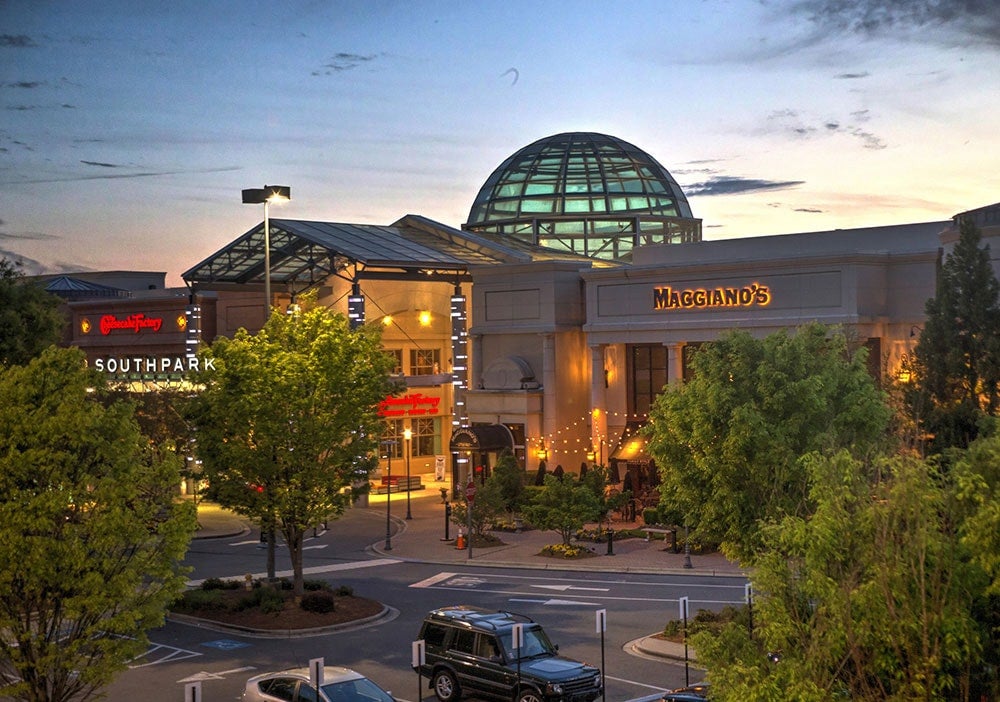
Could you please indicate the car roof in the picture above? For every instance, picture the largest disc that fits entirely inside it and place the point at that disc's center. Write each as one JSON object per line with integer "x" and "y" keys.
{"x": 331, "y": 674}
{"x": 476, "y": 617}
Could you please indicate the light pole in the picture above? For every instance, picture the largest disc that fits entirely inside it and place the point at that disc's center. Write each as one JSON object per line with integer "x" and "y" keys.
{"x": 408, "y": 434}
{"x": 388, "y": 496}
{"x": 266, "y": 195}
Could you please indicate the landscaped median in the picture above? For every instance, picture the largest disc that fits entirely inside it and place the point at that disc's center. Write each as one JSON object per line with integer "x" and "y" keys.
{"x": 258, "y": 608}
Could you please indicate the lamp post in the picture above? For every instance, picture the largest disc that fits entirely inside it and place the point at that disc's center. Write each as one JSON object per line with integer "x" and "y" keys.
{"x": 408, "y": 434}
{"x": 266, "y": 195}
{"x": 388, "y": 495}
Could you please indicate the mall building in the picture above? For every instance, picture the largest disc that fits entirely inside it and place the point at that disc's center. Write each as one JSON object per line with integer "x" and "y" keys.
{"x": 576, "y": 290}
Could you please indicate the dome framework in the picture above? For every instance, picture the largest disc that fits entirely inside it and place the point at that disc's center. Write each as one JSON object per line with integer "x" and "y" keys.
{"x": 584, "y": 193}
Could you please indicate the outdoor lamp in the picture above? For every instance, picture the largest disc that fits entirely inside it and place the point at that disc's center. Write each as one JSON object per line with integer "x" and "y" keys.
{"x": 266, "y": 195}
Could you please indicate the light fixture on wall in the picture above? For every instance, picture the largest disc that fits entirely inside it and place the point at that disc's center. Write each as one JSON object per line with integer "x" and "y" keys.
{"x": 543, "y": 452}
{"x": 425, "y": 318}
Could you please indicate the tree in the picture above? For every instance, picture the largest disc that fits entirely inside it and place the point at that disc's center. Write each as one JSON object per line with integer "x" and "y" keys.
{"x": 91, "y": 531}
{"x": 288, "y": 419}
{"x": 563, "y": 506}
{"x": 957, "y": 358}
{"x": 868, "y": 598}
{"x": 727, "y": 443}
{"x": 30, "y": 320}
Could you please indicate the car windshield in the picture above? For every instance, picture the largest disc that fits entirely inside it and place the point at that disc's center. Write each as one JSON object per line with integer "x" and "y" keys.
{"x": 536, "y": 643}
{"x": 360, "y": 690}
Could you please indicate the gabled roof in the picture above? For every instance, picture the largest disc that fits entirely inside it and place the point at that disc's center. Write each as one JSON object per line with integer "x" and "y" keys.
{"x": 305, "y": 253}
{"x": 75, "y": 289}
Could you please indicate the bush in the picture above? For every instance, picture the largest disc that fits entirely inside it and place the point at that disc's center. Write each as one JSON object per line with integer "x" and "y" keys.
{"x": 204, "y": 600}
{"x": 219, "y": 584}
{"x": 267, "y": 599}
{"x": 315, "y": 585}
{"x": 318, "y": 601}
{"x": 345, "y": 591}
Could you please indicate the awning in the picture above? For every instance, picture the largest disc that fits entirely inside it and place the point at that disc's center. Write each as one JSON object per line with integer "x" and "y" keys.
{"x": 631, "y": 446}
{"x": 482, "y": 437}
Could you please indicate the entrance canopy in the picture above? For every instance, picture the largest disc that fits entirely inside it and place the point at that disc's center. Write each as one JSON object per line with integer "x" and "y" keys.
{"x": 305, "y": 254}
{"x": 482, "y": 438}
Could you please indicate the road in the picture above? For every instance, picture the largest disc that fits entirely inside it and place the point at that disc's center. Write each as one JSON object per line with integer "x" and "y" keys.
{"x": 565, "y": 602}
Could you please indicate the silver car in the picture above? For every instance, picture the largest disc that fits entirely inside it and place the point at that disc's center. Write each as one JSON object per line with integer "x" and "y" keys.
{"x": 339, "y": 685}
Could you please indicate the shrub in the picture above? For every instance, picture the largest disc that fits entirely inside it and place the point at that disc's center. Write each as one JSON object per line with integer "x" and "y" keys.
{"x": 318, "y": 601}
{"x": 267, "y": 599}
{"x": 219, "y": 584}
{"x": 316, "y": 585}
{"x": 204, "y": 600}
{"x": 345, "y": 591}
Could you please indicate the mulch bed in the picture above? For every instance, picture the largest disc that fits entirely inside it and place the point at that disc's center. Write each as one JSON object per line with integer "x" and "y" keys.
{"x": 348, "y": 609}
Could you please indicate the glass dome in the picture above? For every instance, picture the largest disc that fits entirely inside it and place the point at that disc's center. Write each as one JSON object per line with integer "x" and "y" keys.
{"x": 584, "y": 193}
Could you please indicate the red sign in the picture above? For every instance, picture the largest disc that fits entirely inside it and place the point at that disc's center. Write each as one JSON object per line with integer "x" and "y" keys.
{"x": 414, "y": 405}
{"x": 133, "y": 323}
{"x": 470, "y": 491}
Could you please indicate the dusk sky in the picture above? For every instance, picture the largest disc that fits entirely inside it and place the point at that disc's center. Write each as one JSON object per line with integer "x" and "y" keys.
{"x": 128, "y": 129}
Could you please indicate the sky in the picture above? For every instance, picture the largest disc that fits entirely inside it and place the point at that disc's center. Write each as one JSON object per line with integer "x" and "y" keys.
{"x": 128, "y": 129}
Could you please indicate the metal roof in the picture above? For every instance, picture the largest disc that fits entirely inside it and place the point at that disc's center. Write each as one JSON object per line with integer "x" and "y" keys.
{"x": 305, "y": 253}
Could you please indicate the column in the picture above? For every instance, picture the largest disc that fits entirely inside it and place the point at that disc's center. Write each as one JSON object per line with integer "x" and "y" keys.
{"x": 459, "y": 359}
{"x": 549, "y": 389}
{"x": 675, "y": 363}
{"x": 598, "y": 400}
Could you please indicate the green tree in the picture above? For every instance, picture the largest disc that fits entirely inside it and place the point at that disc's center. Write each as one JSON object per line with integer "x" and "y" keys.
{"x": 30, "y": 320}
{"x": 91, "y": 531}
{"x": 728, "y": 442}
{"x": 868, "y": 598}
{"x": 957, "y": 358}
{"x": 288, "y": 419}
{"x": 509, "y": 477}
{"x": 563, "y": 506}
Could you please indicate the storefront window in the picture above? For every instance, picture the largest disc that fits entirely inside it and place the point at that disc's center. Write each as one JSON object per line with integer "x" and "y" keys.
{"x": 425, "y": 361}
{"x": 647, "y": 374}
{"x": 392, "y": 439}
{"x": 426, "y": 436}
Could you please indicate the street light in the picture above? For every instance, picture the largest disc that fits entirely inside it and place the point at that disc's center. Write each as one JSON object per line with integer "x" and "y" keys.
{"x": 408, "y": 434}
{"x": 266, "y": 195}
{"x": 388, "y": 495}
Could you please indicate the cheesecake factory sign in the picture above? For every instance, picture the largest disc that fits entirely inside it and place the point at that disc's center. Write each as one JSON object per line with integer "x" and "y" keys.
{"x": 752, "y": 295}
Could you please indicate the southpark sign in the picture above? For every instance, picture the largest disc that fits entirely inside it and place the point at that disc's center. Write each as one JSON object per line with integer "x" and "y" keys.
{"x": 152, "y": 365}
{"x": 752, "y": 295}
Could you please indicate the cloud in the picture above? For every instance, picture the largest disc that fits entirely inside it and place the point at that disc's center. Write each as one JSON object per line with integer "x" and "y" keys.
{"x": 26, "y": 84}
{"x": 16, "y": 41}
{"x": 112, "y": 176}
{"x": 962, "y": 20}
{"x": 852, "y": 76}
{"x": 344, "y": 62}
{"x": 101, "y": 164}
{"x": 735, "y": 185}
{"x": 808, "y": 209}
{"x": 790, "y": 122}
{"x": 514, "y": 72}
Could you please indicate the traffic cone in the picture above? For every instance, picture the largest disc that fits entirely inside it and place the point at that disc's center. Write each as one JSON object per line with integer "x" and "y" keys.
{"x": 460, "y": 541}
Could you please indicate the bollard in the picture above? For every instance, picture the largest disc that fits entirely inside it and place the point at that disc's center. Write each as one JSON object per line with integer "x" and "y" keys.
{"x": 447, "y": 520}
{"x": 611, "y": 542}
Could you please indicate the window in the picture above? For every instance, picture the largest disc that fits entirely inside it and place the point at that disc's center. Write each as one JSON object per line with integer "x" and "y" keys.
{"x": 397, "y": 356}
{"x": 647, "y": 374}
{"x": 464, "y": 642}
{"x": 392, "y": 439}
{"x": 426, "y": 436}
{"x": 425, "y": 361}
{"x": 282, "y": 688}
{"x": 434, "y": 636}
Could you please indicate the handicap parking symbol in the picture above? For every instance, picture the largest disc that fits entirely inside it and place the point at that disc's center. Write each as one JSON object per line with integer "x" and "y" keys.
{"x": 225, "y": 644}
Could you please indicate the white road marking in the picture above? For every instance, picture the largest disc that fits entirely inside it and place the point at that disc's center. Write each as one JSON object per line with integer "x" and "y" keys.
{"x": 244, "y": 543}
{"x": 203, "y": 675}
{"x": 313, "y": 548}
{"x": 313, "y": 570}
{"x": 557, "y": 602}
{"x": 163, "y": 654}
{"x": 564, "y": 588}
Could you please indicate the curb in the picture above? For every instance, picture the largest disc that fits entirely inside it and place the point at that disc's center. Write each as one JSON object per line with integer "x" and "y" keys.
{"x": 387, "y": 614}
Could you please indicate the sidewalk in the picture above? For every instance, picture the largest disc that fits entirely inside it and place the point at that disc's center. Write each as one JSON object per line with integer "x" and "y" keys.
{"x": 421, "y": 539}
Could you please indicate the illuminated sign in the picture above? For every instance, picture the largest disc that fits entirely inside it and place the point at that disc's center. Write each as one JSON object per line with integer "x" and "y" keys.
{"x": 152, "y": 364}
{"x": 414, "y": 405}
{"x": 133, "y": 323}
{"x": 667, "y": 298}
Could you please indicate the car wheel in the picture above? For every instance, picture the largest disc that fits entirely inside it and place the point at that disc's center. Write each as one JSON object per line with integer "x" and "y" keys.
{"x": 445, "y": 686}
{"x": 529, "y": 695}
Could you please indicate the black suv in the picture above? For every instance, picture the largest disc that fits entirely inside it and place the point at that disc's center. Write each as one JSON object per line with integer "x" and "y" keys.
{"x": 469, "y": 652}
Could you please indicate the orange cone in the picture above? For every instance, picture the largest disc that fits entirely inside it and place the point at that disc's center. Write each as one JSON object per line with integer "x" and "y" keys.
{"x": 460, "y": 542}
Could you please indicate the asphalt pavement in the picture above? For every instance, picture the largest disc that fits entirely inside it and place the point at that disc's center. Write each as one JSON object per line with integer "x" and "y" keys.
{"x": 421, "y": 538}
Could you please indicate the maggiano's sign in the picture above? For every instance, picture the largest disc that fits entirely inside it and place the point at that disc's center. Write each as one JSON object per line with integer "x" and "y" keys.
{"x": 753, "y": 295}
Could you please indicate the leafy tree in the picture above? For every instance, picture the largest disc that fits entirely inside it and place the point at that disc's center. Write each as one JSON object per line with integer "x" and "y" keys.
{"x": 563, "y": 506}
{"x": 596, "y": 480}
{"x": 486, "y": 508}
{"x": 288, "y": 418}
{"x": 957, "y": 358}
{"x": 30, "y": 320}
{"x": 727, "y": 443}
{"x": 509, "y": 477}
{"x": 91, "y": 532}
{"x": 869, "y": 598}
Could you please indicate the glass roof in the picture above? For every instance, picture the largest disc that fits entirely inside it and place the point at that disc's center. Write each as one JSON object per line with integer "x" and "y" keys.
{"x": 568, "y": 188}
{"x": 576, "y": 173}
